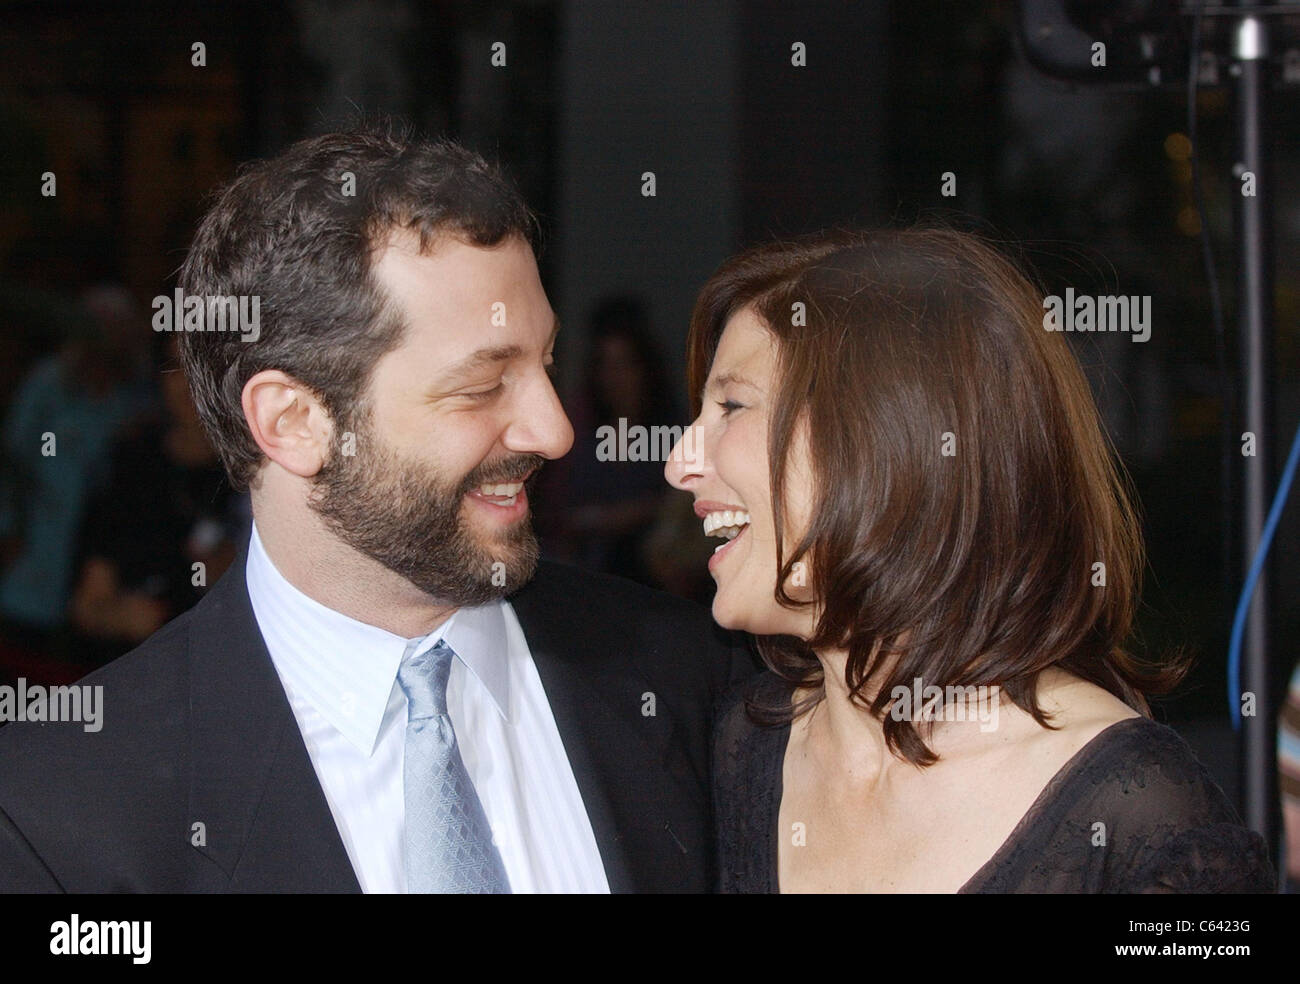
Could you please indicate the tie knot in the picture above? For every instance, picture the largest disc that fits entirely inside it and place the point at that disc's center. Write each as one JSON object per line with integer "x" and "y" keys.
{"x": 423, "y": 679}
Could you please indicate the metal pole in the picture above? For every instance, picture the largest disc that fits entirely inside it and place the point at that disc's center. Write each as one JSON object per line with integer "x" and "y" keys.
{"x": 1255, "y": 325}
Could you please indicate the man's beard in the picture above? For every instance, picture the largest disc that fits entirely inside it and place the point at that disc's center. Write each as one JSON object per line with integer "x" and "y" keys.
{"x": 400, "y": 514}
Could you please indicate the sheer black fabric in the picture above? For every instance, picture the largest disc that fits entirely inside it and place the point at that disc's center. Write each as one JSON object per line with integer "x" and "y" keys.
{"x": 1168, "y": 826}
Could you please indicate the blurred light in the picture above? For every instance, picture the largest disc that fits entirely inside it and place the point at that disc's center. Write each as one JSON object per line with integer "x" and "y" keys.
{"x": 1189, "y": 221}
{"x": 1178, "y": 147}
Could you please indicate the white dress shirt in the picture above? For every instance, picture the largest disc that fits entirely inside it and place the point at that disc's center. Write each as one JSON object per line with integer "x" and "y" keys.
{"x": 340, "y": 676}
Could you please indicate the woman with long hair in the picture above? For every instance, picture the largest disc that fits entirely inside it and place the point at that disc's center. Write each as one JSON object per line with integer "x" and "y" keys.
{"x": 924, "y": 527}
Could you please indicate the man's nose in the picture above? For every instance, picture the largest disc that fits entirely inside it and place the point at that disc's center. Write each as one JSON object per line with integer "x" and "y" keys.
{"x": 685, "y": 464}
{"x": 541, "y": 426}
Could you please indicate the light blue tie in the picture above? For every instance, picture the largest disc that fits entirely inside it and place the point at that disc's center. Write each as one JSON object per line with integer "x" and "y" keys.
{"x": 449, "y": 845}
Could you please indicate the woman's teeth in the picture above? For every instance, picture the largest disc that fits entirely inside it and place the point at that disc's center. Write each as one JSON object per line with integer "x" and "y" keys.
{"x": 727, "y": 523}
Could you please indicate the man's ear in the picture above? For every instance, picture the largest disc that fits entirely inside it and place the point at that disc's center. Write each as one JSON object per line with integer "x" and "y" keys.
{"x": 287, "y": 421}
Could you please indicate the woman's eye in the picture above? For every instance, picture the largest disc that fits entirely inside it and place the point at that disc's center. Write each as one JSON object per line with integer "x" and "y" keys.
{"x": 729, "y": 405}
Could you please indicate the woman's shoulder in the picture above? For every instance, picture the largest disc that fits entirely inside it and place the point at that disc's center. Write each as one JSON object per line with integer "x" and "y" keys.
{"x": 1136, "y": 769}
{"x": 1143, "y": 796}
{"x": 1109, "y": 750}
{"x": 1133, "y": 811}
{"x": 1138, "y": 755}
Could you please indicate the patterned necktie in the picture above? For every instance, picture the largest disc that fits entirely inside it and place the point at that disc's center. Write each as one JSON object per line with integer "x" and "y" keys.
{"x": 449, "y": 845}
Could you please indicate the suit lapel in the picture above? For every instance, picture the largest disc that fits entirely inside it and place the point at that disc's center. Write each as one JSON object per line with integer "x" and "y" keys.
{"x": 633, "y": 781}
{"x": 573, "y": 702}
{"x": 264, "y": 820}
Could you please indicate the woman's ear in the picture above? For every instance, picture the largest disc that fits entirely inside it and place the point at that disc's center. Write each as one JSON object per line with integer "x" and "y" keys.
{"x": 287, "y": 421}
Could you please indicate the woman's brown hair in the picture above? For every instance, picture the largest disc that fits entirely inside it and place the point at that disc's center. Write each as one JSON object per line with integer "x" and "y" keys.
{"x": 963, "y": 486}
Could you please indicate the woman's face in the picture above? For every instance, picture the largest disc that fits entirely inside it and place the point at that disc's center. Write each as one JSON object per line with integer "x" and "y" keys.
{"x": 722, "y": 461}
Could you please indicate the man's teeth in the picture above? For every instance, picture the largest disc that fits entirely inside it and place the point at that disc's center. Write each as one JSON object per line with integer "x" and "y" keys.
{"x": 726, "y": 523}
{"x": 508, "y": 490}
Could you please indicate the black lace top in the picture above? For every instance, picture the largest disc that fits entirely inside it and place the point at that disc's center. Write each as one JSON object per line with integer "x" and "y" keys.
{"x": 1168, "y": 826}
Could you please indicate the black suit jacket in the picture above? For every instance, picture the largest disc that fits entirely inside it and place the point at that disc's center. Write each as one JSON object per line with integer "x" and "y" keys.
{"x": 197, "y": 731}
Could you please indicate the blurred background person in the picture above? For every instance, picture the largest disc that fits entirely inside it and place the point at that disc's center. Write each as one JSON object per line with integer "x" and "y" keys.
{"x": 57, "y": 436}
{"x": 162, "y": 530}
{"x": 605, "y": 507}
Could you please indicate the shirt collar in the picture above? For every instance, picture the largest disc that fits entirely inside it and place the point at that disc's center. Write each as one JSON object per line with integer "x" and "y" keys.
{"x": 347, "y": 669}
{"x": 478, "y": 636}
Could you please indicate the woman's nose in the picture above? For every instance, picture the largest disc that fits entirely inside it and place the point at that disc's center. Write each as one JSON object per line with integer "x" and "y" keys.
{"x": 686, "y": 462}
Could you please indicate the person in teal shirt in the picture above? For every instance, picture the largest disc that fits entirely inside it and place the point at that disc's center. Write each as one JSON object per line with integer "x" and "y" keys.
{"x": 57, "y": 436}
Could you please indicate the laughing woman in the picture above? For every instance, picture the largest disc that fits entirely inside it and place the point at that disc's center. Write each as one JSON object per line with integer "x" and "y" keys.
{"x": 928, "y": 536}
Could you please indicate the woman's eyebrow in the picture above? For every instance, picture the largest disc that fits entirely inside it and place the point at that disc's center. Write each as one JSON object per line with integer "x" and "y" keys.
{"x": 734, "y": 376}
{"x": 727, "y": 378}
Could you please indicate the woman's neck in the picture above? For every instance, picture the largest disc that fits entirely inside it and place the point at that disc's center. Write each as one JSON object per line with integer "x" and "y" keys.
{"x": 843, "y": 730}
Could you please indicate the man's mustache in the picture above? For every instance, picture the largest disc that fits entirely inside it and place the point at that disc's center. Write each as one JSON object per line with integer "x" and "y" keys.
{"x": 504, "y": 472}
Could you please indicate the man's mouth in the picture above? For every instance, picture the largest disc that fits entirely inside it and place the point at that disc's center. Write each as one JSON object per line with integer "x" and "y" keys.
{"x": 501, "y": 494}
{"x": 507, "y": 500}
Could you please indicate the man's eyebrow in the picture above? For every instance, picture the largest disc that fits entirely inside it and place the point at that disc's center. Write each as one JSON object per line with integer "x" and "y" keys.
{"x": 491, "y": 355}
{"x": 483, "y": 357}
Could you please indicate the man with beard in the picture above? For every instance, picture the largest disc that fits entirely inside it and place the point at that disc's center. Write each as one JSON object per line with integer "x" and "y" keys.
{"x": 380, "y": 695}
